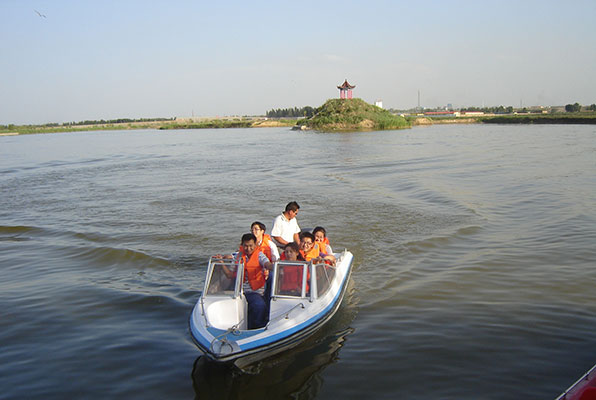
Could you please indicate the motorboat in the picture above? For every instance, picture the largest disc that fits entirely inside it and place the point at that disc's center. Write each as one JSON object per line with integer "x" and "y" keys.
{"x": 304, "y": 296}
{"x": 583, "y": 389}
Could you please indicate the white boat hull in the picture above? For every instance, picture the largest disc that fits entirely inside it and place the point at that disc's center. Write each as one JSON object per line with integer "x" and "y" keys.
{"x": 216, "y": 322}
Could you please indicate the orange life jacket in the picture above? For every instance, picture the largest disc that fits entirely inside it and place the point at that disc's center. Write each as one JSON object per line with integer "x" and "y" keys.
{"x": 314, "y": 252}
{"x": 253, "y": 272}
{"x": 263, "y": 247}
{"x": 323, "y": 245}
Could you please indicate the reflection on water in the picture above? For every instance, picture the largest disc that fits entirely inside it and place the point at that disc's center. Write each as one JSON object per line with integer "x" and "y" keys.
{"x": 294, "y": 374}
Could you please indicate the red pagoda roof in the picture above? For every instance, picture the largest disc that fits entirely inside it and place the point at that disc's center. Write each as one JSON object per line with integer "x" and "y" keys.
{"x": 346, "y": 85}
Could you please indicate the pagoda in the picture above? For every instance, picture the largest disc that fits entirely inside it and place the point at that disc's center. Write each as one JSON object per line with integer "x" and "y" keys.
{"x": 345, "y": 90}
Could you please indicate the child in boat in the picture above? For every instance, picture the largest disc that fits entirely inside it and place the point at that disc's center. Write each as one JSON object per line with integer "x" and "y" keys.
{"x": 292, "y": 252}
{"x": 321, "y": 238}
{"x": 290, "y": 283}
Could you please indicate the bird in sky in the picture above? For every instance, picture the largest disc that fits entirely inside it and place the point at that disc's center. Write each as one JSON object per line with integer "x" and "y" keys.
{"x": 40, "y": 14}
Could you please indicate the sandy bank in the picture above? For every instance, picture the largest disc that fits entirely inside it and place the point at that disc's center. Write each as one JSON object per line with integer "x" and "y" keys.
{"x": 442, "y": 121}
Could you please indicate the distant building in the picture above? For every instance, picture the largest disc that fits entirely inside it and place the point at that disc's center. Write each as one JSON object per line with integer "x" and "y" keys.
{"x": 442, "y": 113}
{"x": 473, "y": 112}
{"x": 379, "y": 103}
{"x": 345, "y": 90}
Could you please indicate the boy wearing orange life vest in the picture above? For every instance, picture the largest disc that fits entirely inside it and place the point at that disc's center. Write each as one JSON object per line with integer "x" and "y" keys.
{"x": 255, "y": 265}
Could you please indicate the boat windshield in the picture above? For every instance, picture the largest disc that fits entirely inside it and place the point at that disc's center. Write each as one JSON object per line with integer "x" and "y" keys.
{"x": 291, "y": 279}
{"x": 221, "y": 277}
{"x": 325, "y": 274}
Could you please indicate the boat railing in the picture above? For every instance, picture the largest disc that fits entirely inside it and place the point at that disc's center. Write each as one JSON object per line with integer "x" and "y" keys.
{"x": 285, "y": 314}
{"x": 223, "y": 338}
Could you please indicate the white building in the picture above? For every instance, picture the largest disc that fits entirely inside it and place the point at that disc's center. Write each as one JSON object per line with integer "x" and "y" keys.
{"x": 379, "y": 103}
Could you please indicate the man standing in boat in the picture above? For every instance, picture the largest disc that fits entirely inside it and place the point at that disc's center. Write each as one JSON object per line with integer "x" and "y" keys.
{"x": 285, "y": 226}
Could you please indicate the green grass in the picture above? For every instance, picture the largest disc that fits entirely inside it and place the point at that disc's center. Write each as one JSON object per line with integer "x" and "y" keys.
{"x": 353, "y": 115}
{"x": 31, "y": 129}
{"x": 560, "y": 118}
{"x": 210, "y": 124}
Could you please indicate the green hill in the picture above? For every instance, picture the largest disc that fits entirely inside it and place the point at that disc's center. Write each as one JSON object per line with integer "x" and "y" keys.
{"x": 353, "y": 115}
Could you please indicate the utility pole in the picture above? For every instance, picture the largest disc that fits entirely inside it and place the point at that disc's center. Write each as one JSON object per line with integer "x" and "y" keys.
{"x": 419, "y": 99}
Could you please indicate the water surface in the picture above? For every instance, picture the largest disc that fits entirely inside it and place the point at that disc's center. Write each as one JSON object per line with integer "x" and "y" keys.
{"x": 474, "y": 265}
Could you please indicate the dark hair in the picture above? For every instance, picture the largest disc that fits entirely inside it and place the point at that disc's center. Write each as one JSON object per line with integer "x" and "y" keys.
{"x": 292, "y": 206}
{"x": 319, "y": 229}
{"x": 294, "y": 246}
{"x": 247, "y": 237}
{"x": 259, "y": 224}
{"x": 307, "y": 235}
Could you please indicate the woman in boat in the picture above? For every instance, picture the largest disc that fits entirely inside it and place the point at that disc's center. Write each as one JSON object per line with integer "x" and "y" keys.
{"x": 311, "y": 251}
{"x": 255, "y": 265}
{"x": 321, "y": 238}
{"x": 264, "y": 241}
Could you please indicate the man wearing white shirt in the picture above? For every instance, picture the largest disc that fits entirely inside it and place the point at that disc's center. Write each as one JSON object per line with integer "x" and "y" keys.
{"x": 285, "y": 226}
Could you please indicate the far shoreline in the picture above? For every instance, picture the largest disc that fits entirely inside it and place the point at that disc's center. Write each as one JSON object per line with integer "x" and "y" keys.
{"x": 263, "y": 122}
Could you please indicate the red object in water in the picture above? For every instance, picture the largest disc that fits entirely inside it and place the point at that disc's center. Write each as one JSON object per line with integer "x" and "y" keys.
{"x": 583, "y": 389}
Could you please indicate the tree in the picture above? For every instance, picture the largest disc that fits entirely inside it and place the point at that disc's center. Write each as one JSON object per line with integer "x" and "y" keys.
{"x": 592, "y": 107}
{"x": 294, "y": 112}
{"x": 573, "y": 107}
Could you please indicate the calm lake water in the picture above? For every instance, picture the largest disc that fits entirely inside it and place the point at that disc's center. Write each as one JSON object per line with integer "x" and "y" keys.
{"x": 474, "y": 274}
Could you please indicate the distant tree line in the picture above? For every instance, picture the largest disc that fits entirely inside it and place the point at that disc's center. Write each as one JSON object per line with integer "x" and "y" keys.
{"x": 94, "y": 122}
{"x": 577, "y": 107}
{"x": 490, "y": 110}
{"x": 114, "y": 121}
{"x": 291, "y": 112}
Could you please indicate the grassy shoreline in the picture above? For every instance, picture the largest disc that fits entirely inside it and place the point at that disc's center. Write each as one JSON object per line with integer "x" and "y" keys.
{"x": 204, "y": 123}
{"x": 256, "y": 122}
{"x": 568, "y": 118}
{"x": 527, "y": 119}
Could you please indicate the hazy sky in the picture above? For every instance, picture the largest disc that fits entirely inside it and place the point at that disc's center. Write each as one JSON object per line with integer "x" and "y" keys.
{"x": 107, "y": 59}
